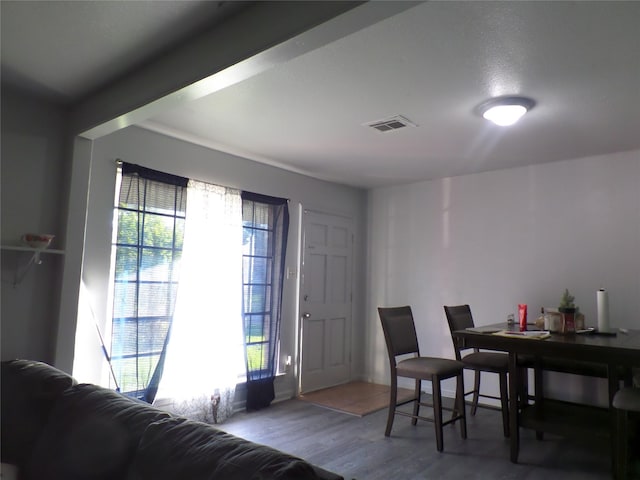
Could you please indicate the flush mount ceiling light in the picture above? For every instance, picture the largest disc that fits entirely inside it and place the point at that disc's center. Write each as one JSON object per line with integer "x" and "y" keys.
{"x": 505, "y": 111}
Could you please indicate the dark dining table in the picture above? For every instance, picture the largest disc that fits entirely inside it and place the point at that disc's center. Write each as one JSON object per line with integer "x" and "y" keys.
{"x": 616, "y": 352}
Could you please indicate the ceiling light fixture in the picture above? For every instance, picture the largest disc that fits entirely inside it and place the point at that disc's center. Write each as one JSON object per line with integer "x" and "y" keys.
{"x": 505, "y": 111}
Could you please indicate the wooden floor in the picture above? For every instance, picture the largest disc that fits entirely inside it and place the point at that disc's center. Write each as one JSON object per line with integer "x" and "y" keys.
{"x": 356, "y": 398}
{"x": 356, "y": 447}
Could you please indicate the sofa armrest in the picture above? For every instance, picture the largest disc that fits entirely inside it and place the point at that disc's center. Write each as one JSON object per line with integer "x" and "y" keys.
{"x": 30, "y": 390}
{"x": 92, "y": 433}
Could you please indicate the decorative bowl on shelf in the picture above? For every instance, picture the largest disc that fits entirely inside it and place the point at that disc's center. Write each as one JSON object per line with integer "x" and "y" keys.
{"x": 37, "y": 240}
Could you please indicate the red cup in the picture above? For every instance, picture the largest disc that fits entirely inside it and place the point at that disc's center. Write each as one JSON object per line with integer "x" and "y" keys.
{"x": 522, "y": 312}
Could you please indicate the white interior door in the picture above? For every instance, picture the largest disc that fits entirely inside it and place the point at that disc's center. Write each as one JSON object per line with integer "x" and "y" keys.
{"x": 325, "y": 303}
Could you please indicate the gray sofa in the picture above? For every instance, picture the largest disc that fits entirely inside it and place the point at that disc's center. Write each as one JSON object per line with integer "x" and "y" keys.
{"x": 54, "y": 428}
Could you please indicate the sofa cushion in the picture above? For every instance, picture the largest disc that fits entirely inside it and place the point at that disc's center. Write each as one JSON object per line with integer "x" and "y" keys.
{"x": 29, "y": 392}
{"x": 179, "y": 448}
{"x": 92, "y": 434}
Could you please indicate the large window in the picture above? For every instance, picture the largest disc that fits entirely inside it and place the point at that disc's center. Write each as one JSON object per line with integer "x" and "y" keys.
{"x": 257, "y": 273}
{"x": 151, "y": 216}
{"x": 150, "y": 210}
{"x": 265, "y": 223}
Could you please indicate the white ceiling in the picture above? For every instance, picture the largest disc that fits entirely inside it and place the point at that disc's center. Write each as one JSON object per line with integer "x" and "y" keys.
{"x": 70, "y": 48}
{"x": 432, "y": 63}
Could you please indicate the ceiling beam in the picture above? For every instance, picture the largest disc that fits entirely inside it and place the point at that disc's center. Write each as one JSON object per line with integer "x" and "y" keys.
{"x": 254, "y": 40}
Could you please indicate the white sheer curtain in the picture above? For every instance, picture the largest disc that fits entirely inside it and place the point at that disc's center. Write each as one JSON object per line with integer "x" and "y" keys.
{"x": 204, "y": 352}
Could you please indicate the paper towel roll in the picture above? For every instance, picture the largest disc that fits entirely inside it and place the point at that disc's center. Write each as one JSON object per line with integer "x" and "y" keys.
{"x": 603, "y": 310}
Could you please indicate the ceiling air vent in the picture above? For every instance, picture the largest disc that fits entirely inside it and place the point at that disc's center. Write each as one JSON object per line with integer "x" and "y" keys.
{"x": 392, "y": 123}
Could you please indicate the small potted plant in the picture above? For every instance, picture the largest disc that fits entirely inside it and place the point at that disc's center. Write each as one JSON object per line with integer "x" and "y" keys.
{"x": 568, "y": 310}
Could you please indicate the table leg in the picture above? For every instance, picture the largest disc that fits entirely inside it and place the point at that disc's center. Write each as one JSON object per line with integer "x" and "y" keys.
{"x": 514, "y": 431}
{"x": 614, "y": 385}
{"x": 539, "y": 394}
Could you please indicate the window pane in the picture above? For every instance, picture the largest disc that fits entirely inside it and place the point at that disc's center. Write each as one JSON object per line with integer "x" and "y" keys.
{"x": 254, "y": 329}
{"x": 128, "y": 227}
{"x": 125, "y": 298}
{"x": 257, "y": 298}
{"x": 179, "y": 238}
{"x": 259, "y": 215}
{"x": 256, "y": 243}
{"x": 257, "y": 356}
{"x": 158, "y": 265}
{"x": 161, "y": 198}
{"x": 158, "y": 231}
{"x": 257, "y": 327}
{"x": 125, "y": 337}
{"x": 126, "y": 263}
{"x": 156, "y": 299}
{"x": 130, "y": 193}
{"x": 134, "y": 373}
{"x": 257, "y": 268}
{"x": 151, "y": 334}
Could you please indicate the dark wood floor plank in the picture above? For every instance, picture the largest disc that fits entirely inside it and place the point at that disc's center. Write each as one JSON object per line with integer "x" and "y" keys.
{"x": 357, "y": 448}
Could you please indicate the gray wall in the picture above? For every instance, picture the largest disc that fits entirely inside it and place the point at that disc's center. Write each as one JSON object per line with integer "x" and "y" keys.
{"x": 34, "y": 181}
{"x": 497, "y": 239}
{"x": 157, "y": 151}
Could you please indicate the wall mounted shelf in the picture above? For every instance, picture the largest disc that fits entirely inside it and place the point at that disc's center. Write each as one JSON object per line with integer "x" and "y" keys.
{"x": 34, "y": 259}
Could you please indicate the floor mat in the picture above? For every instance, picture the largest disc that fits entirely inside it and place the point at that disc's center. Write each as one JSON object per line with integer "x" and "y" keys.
{"x": 355, "y": 398}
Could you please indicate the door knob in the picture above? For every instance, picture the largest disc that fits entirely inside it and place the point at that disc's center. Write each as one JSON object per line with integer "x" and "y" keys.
{"x": 306, "y": 315}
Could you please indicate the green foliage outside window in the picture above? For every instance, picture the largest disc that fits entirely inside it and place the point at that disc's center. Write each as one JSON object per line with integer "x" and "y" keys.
{"x": 158, "y": 232}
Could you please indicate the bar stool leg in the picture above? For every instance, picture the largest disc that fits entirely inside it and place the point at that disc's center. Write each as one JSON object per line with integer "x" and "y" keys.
{"x": 437, "y": 412}
{"x": 416, "y": 404}
{"x": 476, "y": 392}
{"x": 393, "y": 400}
{"x": 504, "y": 399}
{"x": 460, "y": 407}
{"x": 622, "y": 457}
